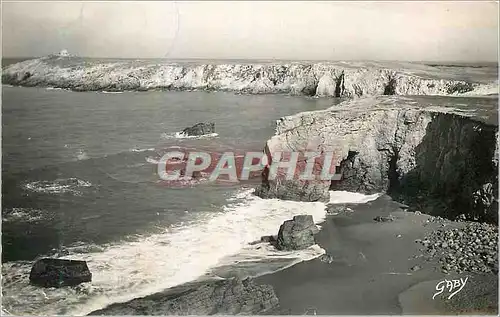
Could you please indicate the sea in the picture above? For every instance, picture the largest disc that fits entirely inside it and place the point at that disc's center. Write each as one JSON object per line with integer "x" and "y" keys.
{"x": 79, "y": 181}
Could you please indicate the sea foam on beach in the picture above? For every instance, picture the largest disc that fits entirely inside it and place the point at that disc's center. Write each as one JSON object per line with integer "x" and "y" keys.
{"x": 152, "y": 263}
{"x": 345, "y": 197}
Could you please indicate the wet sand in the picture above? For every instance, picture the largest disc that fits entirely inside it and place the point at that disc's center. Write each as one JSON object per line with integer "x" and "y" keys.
{"x": 372, "y": 269}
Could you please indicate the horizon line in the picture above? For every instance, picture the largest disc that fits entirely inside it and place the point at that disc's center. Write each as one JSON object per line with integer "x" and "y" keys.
{"x": 265, "y": 59}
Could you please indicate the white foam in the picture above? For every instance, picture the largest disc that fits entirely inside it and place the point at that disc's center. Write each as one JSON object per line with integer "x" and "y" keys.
{"x": 180, "y": 135}
{"x": 152, "y": 160}
{"x": 155, "y": 262}
{"x": 132, "y": 269}
{"x": 17, "y": 214}
{"x": 264, "y": 253}
{"x": 58, "y": 186}
{"x": 81, "y": 155}
{"x": 111, "y": 92}
{"x": 141, "y": 150}
{"x": 345, "y": 197}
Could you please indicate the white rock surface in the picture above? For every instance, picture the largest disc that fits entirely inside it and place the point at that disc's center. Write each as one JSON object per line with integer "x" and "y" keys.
{"x": 300, "y": 78}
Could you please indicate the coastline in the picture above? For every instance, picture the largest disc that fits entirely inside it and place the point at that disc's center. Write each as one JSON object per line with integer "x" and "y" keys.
{"x": 371, "y": 272}
{"x": 349, "y": 79}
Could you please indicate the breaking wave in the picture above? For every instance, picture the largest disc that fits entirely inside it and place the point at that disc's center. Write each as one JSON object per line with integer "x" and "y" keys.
{"x": 58, "y": 186}
{"x": 180, "y": 254}
{"x": 142, "y": 150}
{"x": 180, "y": 135}
{"x": 30, "y": 215}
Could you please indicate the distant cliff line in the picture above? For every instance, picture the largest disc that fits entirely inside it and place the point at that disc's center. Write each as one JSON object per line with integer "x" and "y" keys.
{"x": 339, "y": 79}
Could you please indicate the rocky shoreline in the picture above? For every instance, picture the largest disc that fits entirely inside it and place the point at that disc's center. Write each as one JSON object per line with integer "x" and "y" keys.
{"x": 438, "y": 153}
{"x": 384, "y": 144}
{"x": 227, "y": 297}
{"x": 472, "y": 248}
{"x": 327, "y": 79}
{"x": 379, "y": 267}
{"x": 364, "y": 255}
{"x": 439, "y": 156}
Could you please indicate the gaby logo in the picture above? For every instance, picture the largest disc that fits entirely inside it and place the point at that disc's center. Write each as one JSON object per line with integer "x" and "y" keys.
{"x": 451, "y": 286}
{"x": 186, "y": 165}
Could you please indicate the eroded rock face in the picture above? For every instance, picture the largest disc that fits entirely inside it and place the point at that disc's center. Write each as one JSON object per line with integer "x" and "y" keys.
{"x": 456, "y": 161}
{"x": 279, "y": 184}
{"x": 429, "y": 147}
{"x": 202, "y": 128}
{"x": 295, "y": 190}
{"x": 59, "y": 273}
{"x": 226, "y": 297}
{"x": 297, "y": 234}
{"x": 342, "y": 79}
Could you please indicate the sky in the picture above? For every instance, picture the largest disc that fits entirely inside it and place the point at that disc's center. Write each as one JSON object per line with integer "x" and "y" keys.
{"x": 347, "y": 30}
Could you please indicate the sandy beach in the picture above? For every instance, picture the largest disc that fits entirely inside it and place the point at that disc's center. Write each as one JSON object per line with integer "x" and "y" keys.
{"x": 378, "y": 268}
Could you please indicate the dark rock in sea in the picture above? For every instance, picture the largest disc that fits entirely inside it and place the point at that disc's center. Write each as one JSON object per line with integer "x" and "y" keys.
{"x": 326, "y": 258}
{"x": 415, "y": 268}
{"x": 223, "y": 297}
{"x": 389, "y": 218}
{"x": 198, "y": 129}
{"x": 269, "y": 239}
{"x": 297, "y": 234}
{"x": 59, "y": 273}
{"x": 266, "y": 239}
{"x": 333, "y": 209}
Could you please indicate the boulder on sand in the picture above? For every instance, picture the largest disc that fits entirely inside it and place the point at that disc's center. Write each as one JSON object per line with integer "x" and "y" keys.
{"x": 57, "y": 273}
{"x": 202, "y": 128}
{"x": 297, "y": 234}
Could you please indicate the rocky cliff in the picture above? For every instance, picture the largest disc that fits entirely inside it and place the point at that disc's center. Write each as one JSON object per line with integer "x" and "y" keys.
{"x": 441, "y": 150}
{"x": 338, "y": 79}
{"x": 224, "y": 297}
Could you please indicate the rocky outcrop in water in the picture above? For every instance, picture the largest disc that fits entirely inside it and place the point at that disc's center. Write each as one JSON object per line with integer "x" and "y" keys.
{"x": 334, "y": 79}
{"x": 441, "y": 152}
{"x": 202, "y": 128}
{"x": 59, "y": 273}
{"x": 297, "y": 234}
{"x": 225, "y": 297}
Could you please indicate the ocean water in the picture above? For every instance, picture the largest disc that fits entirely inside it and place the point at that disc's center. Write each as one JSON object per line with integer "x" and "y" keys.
{"x": 80, "y": 182}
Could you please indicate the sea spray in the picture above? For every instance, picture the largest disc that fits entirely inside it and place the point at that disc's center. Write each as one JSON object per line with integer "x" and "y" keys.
{"x": 155, "y": 262}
